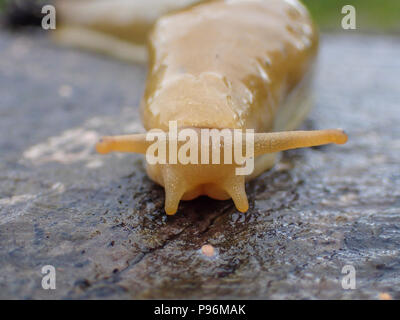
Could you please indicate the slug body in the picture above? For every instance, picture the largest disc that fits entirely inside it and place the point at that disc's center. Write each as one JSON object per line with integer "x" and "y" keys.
{"x": 239, "y": 64}
{"x": 228, "y": 64}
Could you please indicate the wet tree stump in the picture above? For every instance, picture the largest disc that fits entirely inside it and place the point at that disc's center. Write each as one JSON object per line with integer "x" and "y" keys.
{"x": 100, "y": 221}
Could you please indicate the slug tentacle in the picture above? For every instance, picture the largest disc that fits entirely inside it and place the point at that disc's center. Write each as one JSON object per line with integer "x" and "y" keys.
{"x": 269, "y": 142}
{"x": 175, "y": 187}
{"x": 280, "y": 141}
{"x": 235, "y": 187}
{"x": 127, "y": 143}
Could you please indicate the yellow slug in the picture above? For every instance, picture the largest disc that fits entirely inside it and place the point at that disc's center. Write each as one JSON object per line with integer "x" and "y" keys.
{"x": 233, "y": 64}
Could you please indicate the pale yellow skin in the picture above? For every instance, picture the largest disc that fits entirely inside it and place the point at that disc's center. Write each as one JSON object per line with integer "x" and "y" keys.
{"x": 227, "y": 64}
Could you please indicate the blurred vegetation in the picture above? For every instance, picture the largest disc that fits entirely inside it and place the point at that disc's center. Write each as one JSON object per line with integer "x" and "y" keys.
{"x": 372, "y": 15}
{"x": 2, "y": 4}
{"x": 19, "y": 13}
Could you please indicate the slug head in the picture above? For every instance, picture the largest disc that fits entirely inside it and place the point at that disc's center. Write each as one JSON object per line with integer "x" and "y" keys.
{"x": 171, "y": 162}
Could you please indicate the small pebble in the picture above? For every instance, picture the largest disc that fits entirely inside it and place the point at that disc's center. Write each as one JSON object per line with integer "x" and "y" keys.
{"x": 385, "y": 296}
{"x": 208, "y": 250}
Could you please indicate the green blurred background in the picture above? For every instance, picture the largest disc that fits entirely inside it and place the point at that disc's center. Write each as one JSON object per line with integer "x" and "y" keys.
{"x": 372, "y": 15}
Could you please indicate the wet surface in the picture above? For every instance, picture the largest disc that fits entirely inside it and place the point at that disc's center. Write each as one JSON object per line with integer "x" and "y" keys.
{"x": 100, "y": 221}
